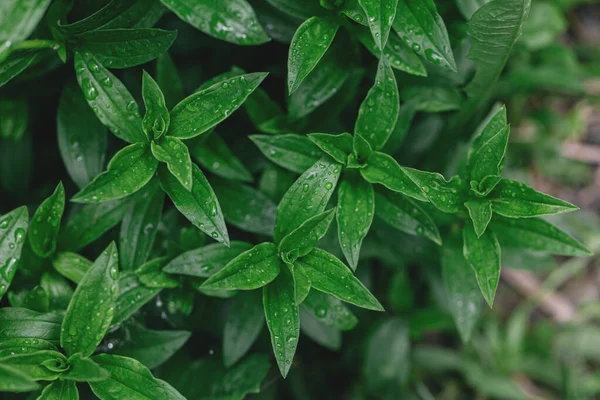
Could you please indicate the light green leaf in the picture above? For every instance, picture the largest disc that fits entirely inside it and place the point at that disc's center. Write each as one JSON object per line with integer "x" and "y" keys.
{"x": 88, "y": 319}
{"x": 207, "y": 260}
{"x": 60, "y": 390}
{"x": 200, "y": 206}
{"x": 378, "y": 113}
{"x": 329, "y": 310}
{"x": 176, "y": 155}
{"x": 447, "y": 196}
{"x": 281, "y": 313}
{"x": 380, "y": 16}
{"x": 152, "y": 275}
{"x": 233, "y": 21}
{"x": 127, "y": 172}
{"x": 13, "y": 227}
{"x": 303, "y": 239}
{"x": 290, "y": 151}
{"x": 483, "y": 255}
{"x": 157, "y": 119}
{"x": 35, "y": 365}
{"x": 480, "y": 211}
{"x": 307, "y": 197}
{"x": 252, "y": 269}
{"x": 109, "y": 99}
{"x": 489, "y": 159}
{"x": 213, "y": 154}
{"x": 330, "y": 275}
{"x": 132, "y": 296}
{"x": 13, "y": 380}
{"x": 310, "y": 42}
{"x": 244, "y": 322}
{"x": 83, "y": 369}
{"x": 43, "y": 230}
{"x": 337, "y": 146}
{"x": 125, "y": 48}
{"x": 26, "y": 324}
{"x": 383, "y": 169}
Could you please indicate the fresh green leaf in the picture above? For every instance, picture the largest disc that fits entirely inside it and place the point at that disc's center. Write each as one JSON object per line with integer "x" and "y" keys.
{"x": 293, "y": 152}
{"x": 489, "y": 159}
{"x": 15, "y": 63}
{"x": 213, "y": 154}
{"x": 43, "y": 231}
{"x": 10, "y": 347}
{"x": 37, "y": 300}
{"x": 152, "y": 276}
{"x": 83, "y": 369}
{"x": 302, "y": 282}
{"x": 383, "y": 169}
{"x": 380, "y": 16}
{"x": 324, "y": 335}
{"x": 13, "y": 380}
{"x": 13, "y": 226}
{"x": 480, "y": 211}
{"x": 60, "y": 390}
{"x": 58, "y": 290}
{"x": 132, "y": 296}
{"x": 447, "y": 196}
{"x": 339, "y": 147}
{"x": 26, "y": 324}
{"x": 140, "y": 14}
{"x": 98, "y": 19}
{"x": 329, "y": 310}
{"x": 303, "y": 239}
{"x": 43, "y": 365}
{"x": 483, "y": 255}
{"x": 468, "y": 7}
{"x": 206, "y": 261}
{"x": 157, "y": 118}
{"x": 18, "y": 19}
{"x": 176, "y": 155}
{"x": 244, "y": 322}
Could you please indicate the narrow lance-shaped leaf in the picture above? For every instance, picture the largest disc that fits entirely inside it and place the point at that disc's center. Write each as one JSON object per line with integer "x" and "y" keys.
{"x": 480, "y": 211}
{"x": 43, "y": 231}
{"x": 13, "y": 226}
{"x": 109, "y": 99}
{"x": 213, "y": 155}
{"x": 9, "y": 347}
{"x": 380, "y": 16}
{"x": 139, "y": 14}
{"x": 281, "y": 313}
{"x": 303, "y": 239}
{"x": 14, "y": 65}
{"x": 87, "y": 318}
{"x": 355, "y": 209}
{"x": 152, "y": 275}
{"x": 329, "y": 310}
{"x": 489, "y": 159}
{"x": 132, "y": 296}
{"x": 18, "y": 19}
{"x": 307, "y": 197}
{"x": 157, "y": 119}
{"x": 244, "y": 322}
{"x": 97, "y": 20}
{"x": 290, "y": 151}
{"x": 483, "y": 255}
{"x": 176, "y": 155}
{"x": 492, "y": 124}
{"x": 201, "y": 111}
{"x": 127, "y": 172}
{"x": 378, "y": 113}
{"x": 26, "y": 324}
{"x": 206, "y": 260}
{"x": 310, "y": 42}
{"x": 330, "y": 275}
{"x": 337, "y": 146}
{"x": 447, "y": 196}
{"x": 200, "y": 206}
{"x": 250, "y": 270}
{"x": 60, "y": 390}
{"x": 302, "y": 282}
{"x": 383, "y": 169}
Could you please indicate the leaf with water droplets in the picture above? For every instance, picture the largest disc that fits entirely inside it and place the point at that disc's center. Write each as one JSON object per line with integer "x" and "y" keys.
{"x": 310, "y": 42}
{"x": 421, "y": 27}
{"x": 250, "y": 270}
{"x": 447, "y": 196}
{"x": 330, "y": 275}
{"x": 213, "y": 154}
{"x": 480, "y": 211}
{"x": 483, "y": 255}
{"x": 489, "y": 159}
{"x": 34, "y": 364}
{"x": 92, "y": 306}
{"x": 388, "y": 356}
{"x": 10, "y": 347}
{"x": 406, "y": 215}
{"x": 152, "y": 275}
{"x": 125, "y": 48}
{"x": 329, "y": 310}
{"x": 207, "y": 260}
{"x": 464, "y": 299}
{"x": 60, "y": 390}
{"x": 19, "y": 19}
{"x": 81, "y": 137}
{"x": 43, "y": 230}
{"x": 26, "y": 324}
{"x": 84, "y": 369}
{"x": 132, "y": 296}
{"x": 281, "y": 313}
{"x": 302, "y": 282}
{"x": 233, "y": 21}
{"x": 200, "y": 206}
{"x": 127, "y": 172}
{"x": 383, "y": 169}
{"x": 337, "y": 146}
{"x": 380, "y": 16}
{"x": 290, "y": 151}
{"x": 243, "y": 323}
{"x": 109, "y": 99}
{"x": 157, "y": 119}
{"x": 139, "y": 226}
{"x": 202, "y": 110}
{"x": 13, "y": 380}
{"x": 303, "y": 239}
{"x": 307, "y": 197}
{"x": 13, "y": 227}
{"x": 355, "y": 209}
{"x": 176, "y": 155}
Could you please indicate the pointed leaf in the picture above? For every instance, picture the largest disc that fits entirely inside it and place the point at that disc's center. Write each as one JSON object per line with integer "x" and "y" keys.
{"x": 15, "y": 63}
{"x": 303, "y": 239}
{"x": 383, "y": 169}
{"x": 480, "y": 211}
{"x": 26, "y": 324}
{"x": 132, "y": 296}
{"x": 176, "y": 155}
{"x": 213, "y": 154}
{"x": 13, "y": 380}
{"x": 34, "y": 365}
{"x": 322, "y": 334}
{"x": 43, "y": 231}
{"x": 493, "y": 123}
{"x": 13, "y": 227}
{"x": 157, "y": 119}
{"x": 293, "y": 152}
{"x": 83, "y": 369}
{"x": 302, "y": 282}
{"x": 207, "y": 260}
{"x": 380, "y": 16}
{"x": 152, "y": 275}
{"x": 329, "y": 310}
{"x": 489, "y": 159}
{"x": 483, "y": 255}
{"x": 244, "y": 322}
{"x": 9, "y": 347}
{"x": 337, "y": 146}
{"x": 60, "y": 390}
{"x": 447, "y": 196}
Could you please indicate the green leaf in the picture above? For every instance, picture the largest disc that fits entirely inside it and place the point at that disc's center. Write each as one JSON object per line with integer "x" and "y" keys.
{"x": 60, "y": 390}
{"x": 339, "y": 147}
{"x": 83, "y": 369}
{"x": 34, "y": 365}
{"x": 152, "y": 276}
{"x": 380, "y": 16}
{"x": 10, "y": 347}
{"x": 81, "y": 137}
{"x": 176, "y": 155}
{"x": 109, "y": 99}
{"x": 152, "y": 348}
{"x": 302, "y": 282}
{"x": 132, "y": 296}
{"x": 26, "y": 324}
{"x": 538, "y": 235}
{"x": 234, "y": 21}
{"x": 432, "y": 99}
{"x": 244, "y": 322}
{"x": 362, "y": 150}
{"x": 406, "y": 215}
{"x": 330, "y": 275}
{"x": 447, "y": 196}
{"x": 37, "y": 300}
{"x": 13, "y": 226}
{"x": 483, "y": 255}
{"x": 468, "y": 7}
{"x": 383, "y": 169}
{"x": 492, "y": 124}
{"x": 125, "y": 48}
{"x": 200, "y": 206}
{"x": 58, "y": 290}
{"x": 252, "y": 269}
{"x": 168, "y": 80}
{"x": 293, "y": 152}
{"x": 15, "y": 63}
{"x": 98, "y": 19}
{"x": 421, "y": 27}
{"x": 13, "y": 380}
{"x": 310, "y": 42}
{"x": 139, "y": 14}
{"x": 213, "y": 154}
{"x": 378, "y": 113}
{"x": 463, "y": 298}
{"x": 139, "y": 226}
{"x": 329, "y": 310}
{"x": 87, "y": 319}
{"x": 494, "y": 30}
{"x": 129, "y": 378}
{"x": 18, "y": 19}
{"x": 299, "y": 10}
{"x": 303, "y": 239}
{"x": 516, "y": 200}
{"x": 489, "y": 159}
{"x": 355, "y": 209}
{"x": 43, "y": 231}
{"x": 480, "y": 211}
{"x": 307, "y": 197}
{"x": 127, "y": 172}
{"x": 157, "y": 119}
{"x": 202, "y": 110}
{"x": 281, "y": 313}
{"x": 207, "y": 260}
{"x": 324, "y": 335}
